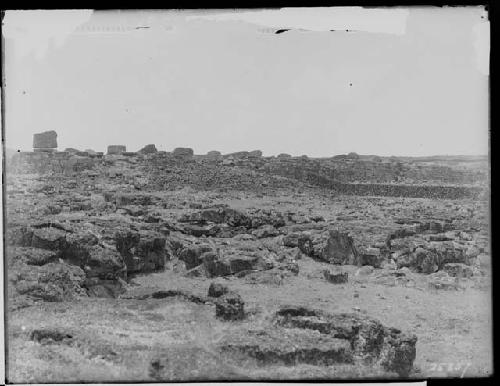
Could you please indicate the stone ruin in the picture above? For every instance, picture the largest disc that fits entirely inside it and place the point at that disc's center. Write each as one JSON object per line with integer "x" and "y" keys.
{"x": 183, "y": 152}
{"x": 116, "y": 149}
{"x": 214, "y": 154}
{"x": 46, "y": 141}
{"x": 149, "y": 149}
{"x": 345, "y": 174}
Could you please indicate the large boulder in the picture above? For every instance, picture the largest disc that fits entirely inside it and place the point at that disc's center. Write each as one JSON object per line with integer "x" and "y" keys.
{"x": 193, "y": 255}
{"x": 339, "y": 248}
{"x": 45, "y": 140}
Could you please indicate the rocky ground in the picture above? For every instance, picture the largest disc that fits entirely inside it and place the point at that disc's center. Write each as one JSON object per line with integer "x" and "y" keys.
{"x": 129, "y": 274}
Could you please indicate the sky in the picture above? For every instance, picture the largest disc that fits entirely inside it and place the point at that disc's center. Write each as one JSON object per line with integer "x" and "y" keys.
{"x": 401, "y": 81}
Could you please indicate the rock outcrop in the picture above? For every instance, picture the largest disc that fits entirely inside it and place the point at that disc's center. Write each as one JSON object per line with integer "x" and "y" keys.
{"x": 142, "y": 251}
{"x": 368, "y": 339}
{"x": 103, "y": 268}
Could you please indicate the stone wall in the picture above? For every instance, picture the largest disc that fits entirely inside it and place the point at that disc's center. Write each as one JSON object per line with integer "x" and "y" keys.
{"x": 413, "y": 191}
{"x": 372, "y": 172}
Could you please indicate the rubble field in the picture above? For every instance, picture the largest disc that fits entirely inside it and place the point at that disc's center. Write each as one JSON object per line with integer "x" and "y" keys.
{"x": 155, "y": 266}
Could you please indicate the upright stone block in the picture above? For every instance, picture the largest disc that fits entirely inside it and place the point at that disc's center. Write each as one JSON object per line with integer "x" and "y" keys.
{"x": 46, "y": 140}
